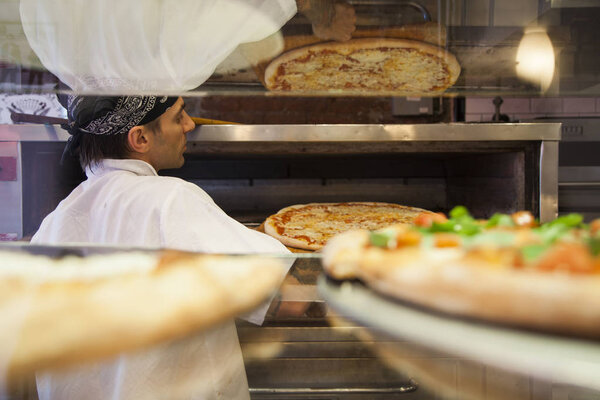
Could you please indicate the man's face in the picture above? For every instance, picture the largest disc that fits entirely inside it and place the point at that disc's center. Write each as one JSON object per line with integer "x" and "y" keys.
{"x": 169, "y": 143}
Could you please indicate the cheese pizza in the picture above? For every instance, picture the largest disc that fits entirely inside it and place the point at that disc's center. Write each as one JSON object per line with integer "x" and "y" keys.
{"x": 56, "y": 312}
{"x": 310, "y": 226}
{"x": 365, "y": 65}
{"x": 506, "y": 269}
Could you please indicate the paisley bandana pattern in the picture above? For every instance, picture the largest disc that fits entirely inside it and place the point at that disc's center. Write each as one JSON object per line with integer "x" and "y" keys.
{"x": 128, "y": 113}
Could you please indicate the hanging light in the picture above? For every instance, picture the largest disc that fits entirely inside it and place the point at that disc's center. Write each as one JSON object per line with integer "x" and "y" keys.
{"x": 535, "y": 58}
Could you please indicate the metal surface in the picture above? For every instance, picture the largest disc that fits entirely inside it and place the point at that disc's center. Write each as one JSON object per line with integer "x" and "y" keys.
{"x": 377, "y": 133}
{"x": 578, "y": 174}
{"x": 562, "y": 359}
{"x": 326, "y": 133}
{"x": 579, "y": 184}
{"x": 411, "y": 387}
{"x": 574, "y": 3}
{"x": 578, "y": 165}
{"x": 548, "y": 181}
{"x": 417, "y": 6}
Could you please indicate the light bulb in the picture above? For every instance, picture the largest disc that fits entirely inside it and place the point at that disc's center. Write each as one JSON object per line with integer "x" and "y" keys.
{"x": 535, "y": 58}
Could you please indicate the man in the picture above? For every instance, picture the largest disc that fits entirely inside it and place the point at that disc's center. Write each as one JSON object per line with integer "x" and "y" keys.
{"x": 122, "y": 143}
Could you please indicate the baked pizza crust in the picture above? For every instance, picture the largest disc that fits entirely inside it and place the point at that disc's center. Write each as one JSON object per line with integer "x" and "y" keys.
{"x": 59, "y": 323}
{"x": 446, "y": 281}
{"x": 372, "y": 64}
{"x": 305, "y": 235}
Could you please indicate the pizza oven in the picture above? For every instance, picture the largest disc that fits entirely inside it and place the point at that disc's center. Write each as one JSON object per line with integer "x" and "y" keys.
{"x": 253, "y": 171}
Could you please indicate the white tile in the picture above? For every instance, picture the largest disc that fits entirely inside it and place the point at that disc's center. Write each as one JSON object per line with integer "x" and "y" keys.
{"x": 455, "y": 14}
{"x": 515, "y": 105}
{"x": 594, "y": 114}
{"x": 478, "y": 13}
{"x": 486, "y": 117}
{"x": 472, "y": 117}
{"x": 479, "y": 105}
{"x": 521, "y": 117}
{"x": 515, "y": 12}
{"x": 540, "y": 390}
{"x": 579, "y": 105}
{"x": 564, "y": 115}
{"x": 546, "y": 105}
{"x": 505, "y": 385}
{"x": 470, "y": 380}
{"x": 598, "y": 105}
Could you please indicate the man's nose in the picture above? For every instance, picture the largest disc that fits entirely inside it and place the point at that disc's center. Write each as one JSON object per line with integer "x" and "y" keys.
{"x": 189, "y": 124}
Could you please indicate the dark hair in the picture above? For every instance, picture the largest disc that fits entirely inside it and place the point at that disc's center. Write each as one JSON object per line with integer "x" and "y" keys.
{"x": 95, "y": 148}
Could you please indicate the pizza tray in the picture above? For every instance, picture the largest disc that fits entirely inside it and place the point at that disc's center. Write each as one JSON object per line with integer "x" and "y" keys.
{"x": 558, "y": 359}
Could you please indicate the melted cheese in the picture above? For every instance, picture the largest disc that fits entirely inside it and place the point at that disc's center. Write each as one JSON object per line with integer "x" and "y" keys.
{"x": 397, "y": 69}
{"x": 317, "y": 223}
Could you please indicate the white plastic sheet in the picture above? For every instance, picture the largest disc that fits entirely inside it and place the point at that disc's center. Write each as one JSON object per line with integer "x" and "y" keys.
{"x": 144, "y": 45}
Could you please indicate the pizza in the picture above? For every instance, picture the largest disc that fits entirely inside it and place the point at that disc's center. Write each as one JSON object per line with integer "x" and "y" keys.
{"x": 365, "y": 65}
{"x": 57, "y": 312}
{"x": 310, "y": 226}
{"x": 507, "y": 269}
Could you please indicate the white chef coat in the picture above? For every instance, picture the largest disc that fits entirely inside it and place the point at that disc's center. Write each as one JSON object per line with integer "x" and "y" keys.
{"x": 125, "y": 202}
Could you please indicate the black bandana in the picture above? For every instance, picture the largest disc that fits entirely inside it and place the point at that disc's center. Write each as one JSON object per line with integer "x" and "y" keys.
{"x": 102, "y": 115}
{"x": 110, "y": 115}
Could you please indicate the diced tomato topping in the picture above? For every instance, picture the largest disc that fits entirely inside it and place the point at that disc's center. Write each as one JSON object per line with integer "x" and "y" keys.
{"x": 568, "y": 257}
{"x": 524, "y": 218}
{"x": 446, "y": 240}
{"x": 595, "y": 227}
{"x": 518, "y": 261}
{"x": 408, "y": 238}
{"x": 425, "y": 220}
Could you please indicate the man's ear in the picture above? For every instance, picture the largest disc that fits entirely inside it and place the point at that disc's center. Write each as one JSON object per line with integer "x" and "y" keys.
{"x": 139, "y": 139}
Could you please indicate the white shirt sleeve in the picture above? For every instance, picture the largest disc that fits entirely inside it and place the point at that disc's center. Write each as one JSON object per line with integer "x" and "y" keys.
{"x": 191, "y": 221}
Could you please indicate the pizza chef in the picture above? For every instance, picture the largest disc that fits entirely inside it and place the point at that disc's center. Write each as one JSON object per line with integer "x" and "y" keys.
{"x": 123, "y": 142}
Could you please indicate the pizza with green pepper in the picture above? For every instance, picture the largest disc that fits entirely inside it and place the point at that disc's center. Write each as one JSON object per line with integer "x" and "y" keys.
{"x": 507, "y": 269}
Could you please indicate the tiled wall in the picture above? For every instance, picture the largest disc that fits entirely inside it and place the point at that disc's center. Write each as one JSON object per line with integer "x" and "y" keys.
{"x": 482, "y": 109}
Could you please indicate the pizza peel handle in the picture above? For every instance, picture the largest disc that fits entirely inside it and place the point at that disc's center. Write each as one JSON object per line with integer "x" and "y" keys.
{"x": 208, "y": 121}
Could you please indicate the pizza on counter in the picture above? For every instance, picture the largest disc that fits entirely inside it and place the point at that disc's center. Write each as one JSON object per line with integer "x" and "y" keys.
{"x": 508, "y": 269}
{"x": 401, "y": 66}
{"x": 310, "y": 226}
{"x": 57, "y": 312}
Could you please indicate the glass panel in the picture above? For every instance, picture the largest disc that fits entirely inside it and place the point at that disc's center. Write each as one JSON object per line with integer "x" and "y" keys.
{"x": 509, "y": 48}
